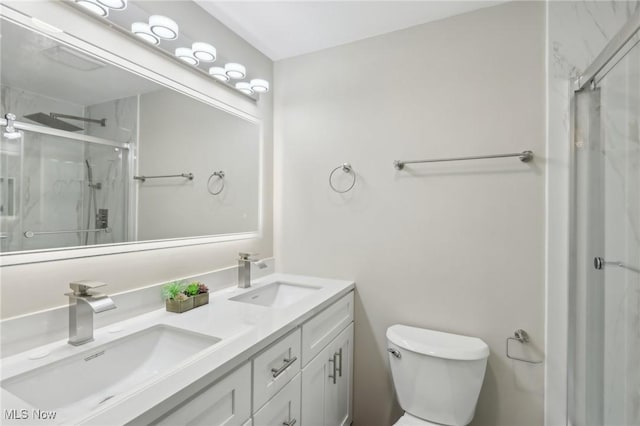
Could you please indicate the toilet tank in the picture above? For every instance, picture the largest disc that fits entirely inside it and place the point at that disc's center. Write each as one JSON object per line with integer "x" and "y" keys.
{"x": 437, "y": 376}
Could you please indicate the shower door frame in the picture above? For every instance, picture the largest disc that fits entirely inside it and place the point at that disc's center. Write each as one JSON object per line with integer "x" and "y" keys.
{"x": 620, "y": 45}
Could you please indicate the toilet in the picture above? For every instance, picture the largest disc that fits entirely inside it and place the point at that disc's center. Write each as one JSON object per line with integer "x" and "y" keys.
{"x": 437, "y": 376}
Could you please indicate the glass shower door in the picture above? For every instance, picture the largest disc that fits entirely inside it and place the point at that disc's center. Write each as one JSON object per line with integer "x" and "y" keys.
{"x": 605, "y": 288}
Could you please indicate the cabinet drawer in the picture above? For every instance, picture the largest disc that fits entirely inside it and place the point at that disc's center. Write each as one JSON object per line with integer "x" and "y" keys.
{"x": 283, "y": 409}
{"x": 324, "y": 327}
{"x": 226, "y": 402}
{"x": 274, "y": 367}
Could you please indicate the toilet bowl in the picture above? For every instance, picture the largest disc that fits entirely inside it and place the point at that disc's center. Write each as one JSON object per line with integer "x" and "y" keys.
{"x": 437, "y": 376}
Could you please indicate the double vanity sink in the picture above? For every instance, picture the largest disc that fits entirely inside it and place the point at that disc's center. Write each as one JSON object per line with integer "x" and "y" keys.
{"x": 134, "y": 365}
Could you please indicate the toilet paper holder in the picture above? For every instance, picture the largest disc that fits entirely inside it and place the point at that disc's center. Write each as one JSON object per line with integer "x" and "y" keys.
{"x": 521, "y": 336}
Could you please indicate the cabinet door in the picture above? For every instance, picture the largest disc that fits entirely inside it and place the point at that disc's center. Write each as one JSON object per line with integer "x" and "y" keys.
{"x": 283, "y": 408}
{"x": 315, "y": 384}
{"x": 226, "y": 402}
{"x": 327, "y": 383}
{"x": 339, "y": 397}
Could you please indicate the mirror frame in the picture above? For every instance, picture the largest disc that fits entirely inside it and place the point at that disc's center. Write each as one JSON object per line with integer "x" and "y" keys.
{"x": 46, "y": 255}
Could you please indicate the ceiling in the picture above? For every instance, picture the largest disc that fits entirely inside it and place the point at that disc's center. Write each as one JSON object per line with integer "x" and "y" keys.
{"x": 283, "y": 29}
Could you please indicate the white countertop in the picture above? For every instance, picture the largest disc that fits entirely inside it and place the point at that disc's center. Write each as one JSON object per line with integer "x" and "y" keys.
{"x": 245, "y": 329}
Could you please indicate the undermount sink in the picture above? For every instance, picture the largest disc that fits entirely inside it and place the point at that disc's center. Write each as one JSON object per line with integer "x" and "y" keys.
{"x": 81, "y": 383}
{"x": 276, "y": 295}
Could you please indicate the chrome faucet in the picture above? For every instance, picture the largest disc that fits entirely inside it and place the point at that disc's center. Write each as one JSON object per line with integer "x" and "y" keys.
{"x": 82, "y": 305}
{"x": 244, "y": 269}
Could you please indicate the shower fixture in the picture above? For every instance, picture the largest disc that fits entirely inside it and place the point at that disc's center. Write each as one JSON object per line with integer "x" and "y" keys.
{"x": 53, "y": 120}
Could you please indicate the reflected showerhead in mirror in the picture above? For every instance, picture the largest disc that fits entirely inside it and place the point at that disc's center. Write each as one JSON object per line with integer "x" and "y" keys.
{"x": 54, "y": 123}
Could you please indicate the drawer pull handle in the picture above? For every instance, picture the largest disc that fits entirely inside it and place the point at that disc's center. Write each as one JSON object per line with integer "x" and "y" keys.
{"x": 339, "y": 353}
{"x": 287, "y": 362}
{"x": 290, "y": 422}
{"x": 332, "y": 360}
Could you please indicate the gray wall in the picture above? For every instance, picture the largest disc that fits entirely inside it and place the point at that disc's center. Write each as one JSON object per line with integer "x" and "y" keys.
{"x": 457, "y": 247}
{"x": 179, "y": 135}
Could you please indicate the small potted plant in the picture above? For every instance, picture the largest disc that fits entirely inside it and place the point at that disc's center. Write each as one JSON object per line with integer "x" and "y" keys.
{"x": 176, "y": 299}
{"x": 202, "y": 297}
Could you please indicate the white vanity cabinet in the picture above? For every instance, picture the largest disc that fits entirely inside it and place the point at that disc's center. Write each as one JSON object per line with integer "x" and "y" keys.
{"x": 327, "y": 383}
{"x": 226, "y": 402}
{"x": 304, "y": 378}
{"x": 283, "y": 409}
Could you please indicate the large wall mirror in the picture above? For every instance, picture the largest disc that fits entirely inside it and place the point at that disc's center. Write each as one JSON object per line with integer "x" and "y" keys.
{"x": 92, "y": 154}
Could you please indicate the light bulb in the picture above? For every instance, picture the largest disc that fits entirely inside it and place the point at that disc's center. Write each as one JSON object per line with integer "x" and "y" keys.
{"x": 204, "y": 51}
{"x": 163, "y": 27}
{"x": 235, "y": 71}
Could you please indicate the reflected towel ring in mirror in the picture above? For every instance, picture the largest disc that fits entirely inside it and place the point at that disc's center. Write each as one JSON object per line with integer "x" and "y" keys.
{"x": 220, "y": 176}
{"x": 345, "y": 167}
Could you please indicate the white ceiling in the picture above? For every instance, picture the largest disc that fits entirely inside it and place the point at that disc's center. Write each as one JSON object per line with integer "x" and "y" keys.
{"x": 282, "y": 29}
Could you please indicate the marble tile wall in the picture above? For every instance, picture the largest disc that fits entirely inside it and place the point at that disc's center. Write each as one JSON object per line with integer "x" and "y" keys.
{"x": 111, "y": 166}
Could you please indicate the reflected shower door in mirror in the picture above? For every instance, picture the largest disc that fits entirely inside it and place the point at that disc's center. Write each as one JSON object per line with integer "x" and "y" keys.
{"x": 92, "y": 154}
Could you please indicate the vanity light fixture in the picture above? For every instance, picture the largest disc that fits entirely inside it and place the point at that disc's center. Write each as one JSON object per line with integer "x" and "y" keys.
{"x": 114, "y": 4}
{"x": 244, "y": 87}
{"x": 218, "y": 73}
{"x": 142, "y": 30}
{"x": 163, "y": 27}
{"x": 186, "y": 55}
{"x": 204, "y": 51}
{"x": 235, "y": 71}
{"x": 94, "y": 7}
{"x": 259, "y": 85}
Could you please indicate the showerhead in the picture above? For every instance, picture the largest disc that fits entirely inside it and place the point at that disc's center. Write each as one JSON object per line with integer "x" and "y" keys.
{"x": 56, "y": 123}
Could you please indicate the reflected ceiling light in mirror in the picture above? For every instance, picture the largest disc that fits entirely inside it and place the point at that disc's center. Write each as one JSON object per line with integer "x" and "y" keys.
{"x": 204, "y": 51}
{"x": 186, "y": 55}
{"x": 142, "y": 30}
{"x": 259, "y": 85}
{"x": 114, "y": 4}
{"x": 94, "y": 7}
{"x": 235, "y": 71}
{"x": 244, "y": 87}
{"x": 219, "y": 73}
{"x": 163, "y": 27}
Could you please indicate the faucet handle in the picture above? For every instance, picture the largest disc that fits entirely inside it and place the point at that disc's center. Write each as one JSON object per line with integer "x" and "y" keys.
{"x": 80, "y": 288}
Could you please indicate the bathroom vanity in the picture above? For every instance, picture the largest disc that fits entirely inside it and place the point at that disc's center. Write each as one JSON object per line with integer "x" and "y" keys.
{"x": 280, "y": 352}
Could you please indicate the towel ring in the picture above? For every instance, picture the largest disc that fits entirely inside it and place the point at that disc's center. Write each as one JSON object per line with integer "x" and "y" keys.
{"x": 220, "y": 176}
{"x": 346, "y": 167}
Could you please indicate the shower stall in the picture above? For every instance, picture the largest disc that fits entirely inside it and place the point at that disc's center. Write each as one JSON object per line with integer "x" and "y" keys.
{"x": 59, "y": 187}
{"x": 604, "y": 347}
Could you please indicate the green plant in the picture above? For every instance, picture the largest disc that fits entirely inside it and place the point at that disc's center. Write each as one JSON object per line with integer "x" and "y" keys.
{"x": 192, "y": 289}
{"x": 173, "y": 289}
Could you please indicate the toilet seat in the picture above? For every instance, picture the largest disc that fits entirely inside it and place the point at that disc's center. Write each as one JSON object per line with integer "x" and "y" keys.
{"x": 409, "y": 420}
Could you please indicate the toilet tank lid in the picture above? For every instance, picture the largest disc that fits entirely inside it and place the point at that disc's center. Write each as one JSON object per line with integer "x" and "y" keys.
{"x": 437, "y": 344}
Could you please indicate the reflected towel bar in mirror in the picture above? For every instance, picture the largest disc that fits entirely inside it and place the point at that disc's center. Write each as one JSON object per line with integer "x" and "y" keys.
{"x": 31, "y": 234}
{"x": 184, "y": 175}
{"x": 524, "y": 156}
